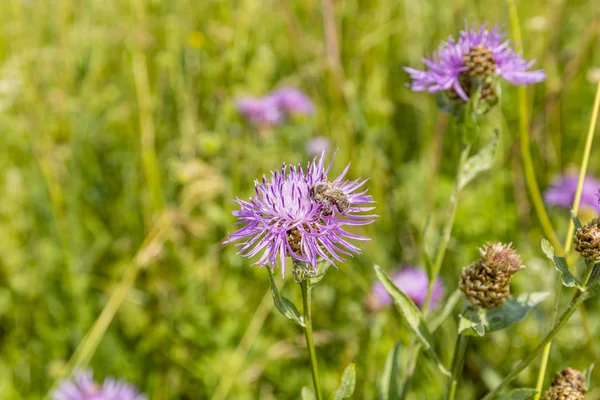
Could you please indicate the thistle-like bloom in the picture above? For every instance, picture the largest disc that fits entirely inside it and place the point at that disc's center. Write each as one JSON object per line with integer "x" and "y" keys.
{"x": 292, "y": 101}
{"x": 302, "y": 214}
{"x": 318, "y": 145}
{"x": 411, "y": 281}
{"x": 476, "y": 55}
{"x": 563, "y": 189}
{"x": 83, "y": 387}
{"x": 261, "y": 111}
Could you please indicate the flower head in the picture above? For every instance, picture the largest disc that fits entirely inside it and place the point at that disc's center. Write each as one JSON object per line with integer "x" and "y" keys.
{"x": 301, "y": 214}
{"x": 83, "y": 387}
{"x": 477, "y": 55}
{"x": 318, "y": 145}
{"x": 292, "y": 101}
{"x": 411, "y": 281}
{"x": 563, "y": 190}
{"x": 262, "y": 111}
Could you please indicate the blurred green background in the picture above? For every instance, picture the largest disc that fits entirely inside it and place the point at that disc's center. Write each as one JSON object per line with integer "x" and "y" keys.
{"x": 121, "y": 148}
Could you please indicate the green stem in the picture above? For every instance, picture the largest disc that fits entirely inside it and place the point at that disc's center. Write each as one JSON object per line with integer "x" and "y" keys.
{"x": 576, "y": 301}
{"x": 457, "y": 364}
{"x": 534, "y": 190}
{"x": 415, "y": 347}
{"x": 308, "y": 332}
{"x": 570, "y": 231}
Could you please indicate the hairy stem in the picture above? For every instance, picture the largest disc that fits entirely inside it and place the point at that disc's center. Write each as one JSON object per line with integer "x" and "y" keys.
{"x": 308, "y": 332}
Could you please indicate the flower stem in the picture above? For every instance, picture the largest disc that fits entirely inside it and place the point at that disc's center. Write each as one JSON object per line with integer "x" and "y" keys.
{"x": 578, "y": 298}
{"x": 534, "y": 190}
{"x": 308, "y": 332}
{"x": 570, "y": 231}
{"x": 415, "y": 347}
{"x": 457, "y": 364}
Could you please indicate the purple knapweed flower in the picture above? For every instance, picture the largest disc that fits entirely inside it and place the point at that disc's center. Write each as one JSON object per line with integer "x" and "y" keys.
{"x": 301, "y": 214}
{"x": 292, "y": 101}
{"x": 476, "y": 55}
{"x": 563, "y": 189}
{"x": 318, "y": 145}
{"x": 413, "y": 282}
{"x": 262, "y": 111}
{"x": 83, "y": 387}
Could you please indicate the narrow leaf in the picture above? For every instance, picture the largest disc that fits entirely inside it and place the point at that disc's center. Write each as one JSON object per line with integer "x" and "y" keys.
{"x": 389, "y": 386}
{"x": 346, "y": 388}
{"x": 480, "y": 162}
{"x": 567, "y": 278}
{"x": 412, "y": 315}
{"x": 519, "y": 394}
{"x": 588, "y": 376}
{"x": 576, "y": 220}
{"x": 513, "y": 310}
{"x": 307, "y": 394}
{"x": 446, "y": 311}
{"x": 285, "y": 307}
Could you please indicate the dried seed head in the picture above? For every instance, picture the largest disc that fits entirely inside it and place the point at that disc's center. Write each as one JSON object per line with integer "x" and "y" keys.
{"x": 500, "y": 260}
{"x": 482, "y": 288}
{"x": 563, "y": 393}
{"x": 480, "y": 62}
{"x": 587, "y": 240}
{"x": 569, "y": 384}
{"x": 570, "y": 377}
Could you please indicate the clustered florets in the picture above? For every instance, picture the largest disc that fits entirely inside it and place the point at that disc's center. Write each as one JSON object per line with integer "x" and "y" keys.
{"x": 486, "y": 282}
{"x": 569, "y": 384}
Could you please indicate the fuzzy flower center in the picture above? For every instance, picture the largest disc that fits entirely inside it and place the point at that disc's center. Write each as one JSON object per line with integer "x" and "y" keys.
{"x": 294, "y": 236}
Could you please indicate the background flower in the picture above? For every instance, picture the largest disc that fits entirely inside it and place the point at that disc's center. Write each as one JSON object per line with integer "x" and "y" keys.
{"x": 478, "y": 53}
{"x": 413, "y": 282}
{"x": 318, "y": 145}
{"x": 293, "y": 101}
{"x": 260, "y": 110}
{"x": 83, "y": 387}
{"x": 563, "y": 190}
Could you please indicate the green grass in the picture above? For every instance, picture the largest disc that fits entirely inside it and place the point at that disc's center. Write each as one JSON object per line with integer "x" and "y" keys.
{"x": 118, "y": 120}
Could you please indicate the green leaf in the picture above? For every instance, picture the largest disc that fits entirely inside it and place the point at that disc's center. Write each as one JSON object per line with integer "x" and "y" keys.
{"x": 307, "y": 394}
{"x": 567, "y": 278}
{"x": 480, "y": 162}
{"x": 513, "y": 310}
{"x": 472, "y": 321}
{"x": 285, "y": 307}
{"x": 519, "y": 394}
{"x": 576, "y": 221}
{"x": 446, "y": 311}
{"x": 412, "y": 315}
{"x": 389, "y": 386}
{"x": 477, "y": 321}
{"x": 588, "y": 376}
{"x": 322, "y": 267}
{"x": 346, "y": 388}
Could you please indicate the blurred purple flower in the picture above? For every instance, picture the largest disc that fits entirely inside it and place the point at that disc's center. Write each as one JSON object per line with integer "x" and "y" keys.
{"x": 563, "y": 189}
{"x": 413, "y": 282}
{"x": 293, "y": 101}
{"x": 283, "y": 219}
{"x": 477, "y": 51}
{"x": 318, "y": 145}
{"x": 83, "y": 387}
{"x": 260, "y": 110}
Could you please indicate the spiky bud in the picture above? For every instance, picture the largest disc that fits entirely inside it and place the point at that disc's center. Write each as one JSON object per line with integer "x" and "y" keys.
{"x": 587, "y": 240}
{"x": 486, "y": 282}
{"x": 569, "y": 384}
